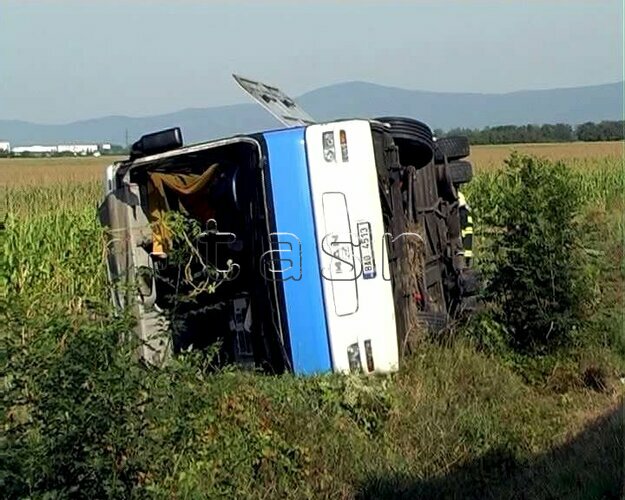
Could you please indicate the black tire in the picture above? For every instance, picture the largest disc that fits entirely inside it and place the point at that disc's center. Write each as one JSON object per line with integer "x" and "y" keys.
{"x": 454, "y": 148}
{"x": 434, "y": 322}
{"x": 460, "y": 171}
{"x": 446, "y": 186}
{"x": 413, "y": 138}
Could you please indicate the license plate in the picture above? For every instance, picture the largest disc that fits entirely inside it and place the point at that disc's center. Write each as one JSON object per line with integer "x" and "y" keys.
{"x": 366, "y": 250}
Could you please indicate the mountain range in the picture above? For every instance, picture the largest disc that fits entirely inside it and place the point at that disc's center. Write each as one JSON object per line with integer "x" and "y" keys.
{"x": 442, "y": 110}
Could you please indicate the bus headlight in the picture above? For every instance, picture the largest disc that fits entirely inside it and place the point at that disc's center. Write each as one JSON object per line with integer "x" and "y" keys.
{"x": 353, "y": 356}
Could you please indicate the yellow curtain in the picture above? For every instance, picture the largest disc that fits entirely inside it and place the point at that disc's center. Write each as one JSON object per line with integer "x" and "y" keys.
{"x": 191, "y": 191}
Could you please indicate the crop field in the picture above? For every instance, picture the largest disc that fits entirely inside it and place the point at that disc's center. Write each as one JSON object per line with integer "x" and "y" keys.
{"x": 577, "y": 154}
{"x": 79, "y": 412}
{"x": 43, "y": 171}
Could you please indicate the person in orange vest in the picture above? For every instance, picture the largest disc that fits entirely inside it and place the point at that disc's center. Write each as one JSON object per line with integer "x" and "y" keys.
{"x": 466, "y": 225}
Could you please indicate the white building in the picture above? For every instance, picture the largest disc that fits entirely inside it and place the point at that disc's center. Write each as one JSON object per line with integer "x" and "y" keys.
{"x": 5, "y": 147}
{"x": 77, "y": 149}
{"x": 35, "y": 149}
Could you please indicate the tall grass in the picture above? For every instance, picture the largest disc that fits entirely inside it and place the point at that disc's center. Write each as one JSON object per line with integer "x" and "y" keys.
{"x": 605, "y": 185}
{"x": 55, "y": 260}
{"x": 28, "y": 201}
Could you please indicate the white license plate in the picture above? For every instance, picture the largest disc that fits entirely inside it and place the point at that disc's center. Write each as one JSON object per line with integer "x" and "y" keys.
{"x": 366, "y": 250}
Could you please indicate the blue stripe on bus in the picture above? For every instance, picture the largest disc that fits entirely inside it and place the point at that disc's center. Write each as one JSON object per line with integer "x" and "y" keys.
{"x": 293, "y": 213}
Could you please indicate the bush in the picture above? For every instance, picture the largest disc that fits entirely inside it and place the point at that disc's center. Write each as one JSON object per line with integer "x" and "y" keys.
{"x": 530, "y": 252}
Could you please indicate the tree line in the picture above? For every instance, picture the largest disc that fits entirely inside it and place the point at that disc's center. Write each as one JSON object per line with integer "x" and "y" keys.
{"x": 560, "y": 132}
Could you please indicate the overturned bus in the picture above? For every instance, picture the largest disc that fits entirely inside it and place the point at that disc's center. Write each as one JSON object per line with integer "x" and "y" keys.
{"x": 313, "y": 248}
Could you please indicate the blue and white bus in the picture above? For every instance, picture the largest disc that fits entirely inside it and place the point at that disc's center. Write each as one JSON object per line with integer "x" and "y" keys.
{"x": 287, "y": 255}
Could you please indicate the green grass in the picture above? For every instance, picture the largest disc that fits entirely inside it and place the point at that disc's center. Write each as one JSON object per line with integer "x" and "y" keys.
{"x": 82, "y": 418}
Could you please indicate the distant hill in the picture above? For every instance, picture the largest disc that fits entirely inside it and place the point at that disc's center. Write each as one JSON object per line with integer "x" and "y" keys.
{"x": 346, "y": 100}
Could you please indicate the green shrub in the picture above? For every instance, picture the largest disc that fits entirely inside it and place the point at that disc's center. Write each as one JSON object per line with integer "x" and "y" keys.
{"x": 530, "y": 251}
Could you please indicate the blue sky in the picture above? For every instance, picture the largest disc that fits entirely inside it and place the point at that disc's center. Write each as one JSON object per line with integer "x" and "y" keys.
{"x": 67, "y": 60}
